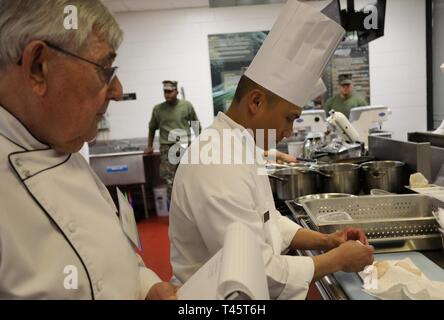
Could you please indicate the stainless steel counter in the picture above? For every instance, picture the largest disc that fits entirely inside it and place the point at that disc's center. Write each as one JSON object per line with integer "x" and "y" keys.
{"x": 121, "y": 168}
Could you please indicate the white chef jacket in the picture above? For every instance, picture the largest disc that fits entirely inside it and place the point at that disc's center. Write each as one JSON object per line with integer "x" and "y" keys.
{"x": 57, "y": 220}
{"x": 207, "y": 198}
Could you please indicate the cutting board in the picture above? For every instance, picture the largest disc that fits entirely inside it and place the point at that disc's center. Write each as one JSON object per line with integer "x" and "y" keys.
{"x": 352, "y": 284}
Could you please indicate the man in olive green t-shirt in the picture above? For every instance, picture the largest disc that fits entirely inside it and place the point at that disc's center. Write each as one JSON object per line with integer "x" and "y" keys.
{"x": 173, "y": 114}
{"x": 346, "y": 99}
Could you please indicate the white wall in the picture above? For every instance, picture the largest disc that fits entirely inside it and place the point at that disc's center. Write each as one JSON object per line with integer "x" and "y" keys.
{"x": 173, "y": 44}
{"x": 438, "y": 59}
{"x": 398, "y": 70}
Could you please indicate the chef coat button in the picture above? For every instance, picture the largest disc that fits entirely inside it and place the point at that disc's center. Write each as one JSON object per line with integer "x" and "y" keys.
{"x": 26, "y": 173}
{"x": 99, "y": 285}
{"x": 18, "y": 162}
{"x": 71, "y": 227}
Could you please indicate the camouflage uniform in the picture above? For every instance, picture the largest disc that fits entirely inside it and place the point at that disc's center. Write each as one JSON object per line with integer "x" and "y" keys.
{"x": 167, "y": 170}
{"x": 167, "y": 118}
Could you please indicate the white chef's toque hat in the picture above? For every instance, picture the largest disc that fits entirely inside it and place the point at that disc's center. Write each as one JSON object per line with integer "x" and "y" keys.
{"x": 295, "y": 53}
{"x": 318, "y": 89}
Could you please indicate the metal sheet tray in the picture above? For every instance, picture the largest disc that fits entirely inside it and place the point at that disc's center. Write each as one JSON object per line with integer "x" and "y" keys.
{"x": 394, "y": 222}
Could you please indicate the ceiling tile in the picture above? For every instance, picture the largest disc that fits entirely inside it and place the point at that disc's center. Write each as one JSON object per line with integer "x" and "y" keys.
{"x": 141, "y": 5}
{"x": 190, "y": 3}
{"x": 115, "y": 5}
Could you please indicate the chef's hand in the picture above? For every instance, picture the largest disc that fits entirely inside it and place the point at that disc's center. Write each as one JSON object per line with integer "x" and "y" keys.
{"x": 280, "y": 156}
{"x": 285, "y": 158}
{"x": 353, "y": 256}
{"x": 162, "y": 291}
{"x": 339, "y": 237}
{"x": 350, "y": 256}
{"x": 148, "y": 150}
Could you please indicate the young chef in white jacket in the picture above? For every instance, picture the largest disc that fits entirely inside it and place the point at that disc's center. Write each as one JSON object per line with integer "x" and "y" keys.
{"x": 210, "y": 194}
{"x": 60, "y": 236}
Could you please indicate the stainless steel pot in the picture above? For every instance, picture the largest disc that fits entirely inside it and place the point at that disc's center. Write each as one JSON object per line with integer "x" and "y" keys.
{"x": 384, "y": 175}
{"x": 273, "y": 180}
{"x": 340, "y": 178}
{"x": 273, "y": 185}
{"x": 295, "y": 182}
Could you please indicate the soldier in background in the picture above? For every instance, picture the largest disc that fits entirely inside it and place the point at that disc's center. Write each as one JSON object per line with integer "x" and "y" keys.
{"x": 346, "y": 99}
{"x": 172, "y": 114}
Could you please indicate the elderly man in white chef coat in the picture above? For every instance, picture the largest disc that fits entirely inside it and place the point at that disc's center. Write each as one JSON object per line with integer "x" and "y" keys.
{"x": 60, "y": 235}
{"x": 209, "y": 195}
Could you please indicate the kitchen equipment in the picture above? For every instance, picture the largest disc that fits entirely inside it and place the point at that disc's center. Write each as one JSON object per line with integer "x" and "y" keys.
{"x": 341, "y": 141}
{"x": 339, "y": 124}
{"x": 438, "y": 213}
{"x": 273, "y": 179}
{"x": 331, "y": 287}
{"x": 294, "y": 182}
{"x": 296, "y": 149}
{"x": 392, "y": 223}
{"x": 379, "y": 192}
{"x": 385, "y": 175}
{"x": 336, "y": 152}
{"x": 357, "y": 160}
{"x": 335, "y": 217}
{"x": 315, "y": 120}
{"x": 340, "y": 178}
{"x": 123, "y": 168}
{"x": 319, "y": 196}
{"x": 367, "y": 119}
{"x": 313, "y": 142}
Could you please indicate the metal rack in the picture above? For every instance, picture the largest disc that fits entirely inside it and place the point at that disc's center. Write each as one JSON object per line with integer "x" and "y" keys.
{"x": 392, "y": 223}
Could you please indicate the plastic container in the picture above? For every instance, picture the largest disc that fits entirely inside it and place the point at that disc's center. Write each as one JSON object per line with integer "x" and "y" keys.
{"x": 161, "y": 201}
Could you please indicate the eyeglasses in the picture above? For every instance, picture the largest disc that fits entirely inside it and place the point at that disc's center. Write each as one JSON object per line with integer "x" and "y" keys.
{"x": 109, "y": 73}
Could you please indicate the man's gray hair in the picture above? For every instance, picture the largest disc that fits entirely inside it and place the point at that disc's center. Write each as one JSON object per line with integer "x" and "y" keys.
{"x": 22, "y": 21}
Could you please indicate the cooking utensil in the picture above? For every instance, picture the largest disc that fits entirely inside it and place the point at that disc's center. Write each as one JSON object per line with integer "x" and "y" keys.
{"x": 384, "y": 175}
{"x": 340, "y": 178}
{"x": 379, "y": 192}
{"x": 320, "y": 196}
{"x": 294, "y": 182}
{"x": 338, "y": 216}
{"x": 358, "y": 160}
{"x": 397, "y": 222}
{"x": 273, "y": 178}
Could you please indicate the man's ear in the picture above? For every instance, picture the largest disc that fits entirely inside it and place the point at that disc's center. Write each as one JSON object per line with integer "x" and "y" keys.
{"x": 255, "y": 101}
{"x": 35, "y": 67}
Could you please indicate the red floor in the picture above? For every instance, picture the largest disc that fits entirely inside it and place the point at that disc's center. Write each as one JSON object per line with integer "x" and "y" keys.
{"x": 156, "y": 250}
{"x": 156, "y": 246}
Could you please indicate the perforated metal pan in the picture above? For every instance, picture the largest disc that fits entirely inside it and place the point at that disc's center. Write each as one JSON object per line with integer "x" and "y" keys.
{"x": 402, "y": 221}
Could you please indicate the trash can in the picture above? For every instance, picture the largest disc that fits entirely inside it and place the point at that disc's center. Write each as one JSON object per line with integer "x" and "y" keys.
{"x": 161, "y": 201}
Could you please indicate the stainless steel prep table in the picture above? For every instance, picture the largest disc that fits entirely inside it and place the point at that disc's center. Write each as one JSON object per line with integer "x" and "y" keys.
{"x": 328, "y": 287}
